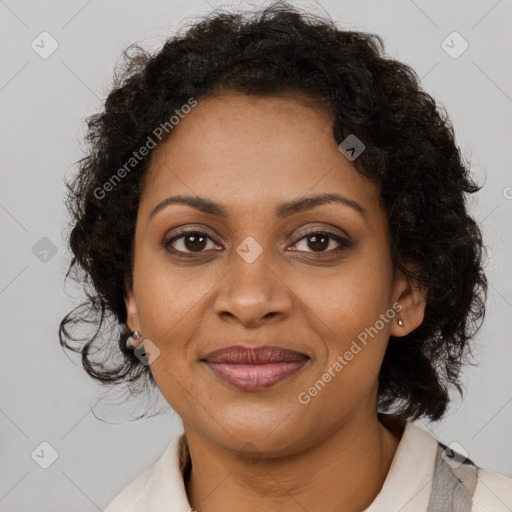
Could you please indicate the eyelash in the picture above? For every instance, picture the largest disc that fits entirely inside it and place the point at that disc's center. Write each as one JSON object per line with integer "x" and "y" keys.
{"x": 344, "y": 243}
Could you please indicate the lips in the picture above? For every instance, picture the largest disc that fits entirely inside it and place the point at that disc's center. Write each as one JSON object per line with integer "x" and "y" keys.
{"x": 253, "y": 369}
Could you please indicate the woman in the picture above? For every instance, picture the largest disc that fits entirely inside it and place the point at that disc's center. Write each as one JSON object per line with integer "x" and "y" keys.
{"x": 274, "y": 213}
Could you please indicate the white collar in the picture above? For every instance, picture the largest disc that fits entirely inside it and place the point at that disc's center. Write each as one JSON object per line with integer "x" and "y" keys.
{"x": 406, "y": 488}
{"x": 409, "y": 480}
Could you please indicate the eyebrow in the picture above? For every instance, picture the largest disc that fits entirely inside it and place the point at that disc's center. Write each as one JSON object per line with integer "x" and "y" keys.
{"x": 283, "y": 210}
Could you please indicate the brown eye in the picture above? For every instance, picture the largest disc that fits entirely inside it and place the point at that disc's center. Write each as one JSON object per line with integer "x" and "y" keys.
{"x": 319, "y": 241}
{"x": 188, "y": 242}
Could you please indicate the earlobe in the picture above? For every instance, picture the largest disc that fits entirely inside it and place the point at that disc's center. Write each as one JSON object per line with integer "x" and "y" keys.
{"x": 412, "y": 298}
{"x": 132, "y": 316}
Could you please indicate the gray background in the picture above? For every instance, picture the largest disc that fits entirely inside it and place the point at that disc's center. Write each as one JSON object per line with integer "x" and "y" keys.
{"x": 43, "y": 102}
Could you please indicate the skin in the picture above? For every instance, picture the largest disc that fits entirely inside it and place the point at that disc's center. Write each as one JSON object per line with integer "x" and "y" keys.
{"x": 264, "y": 450}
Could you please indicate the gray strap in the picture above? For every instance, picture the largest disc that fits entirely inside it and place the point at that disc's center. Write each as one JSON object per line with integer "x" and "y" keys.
{"x": 454, "y": 482}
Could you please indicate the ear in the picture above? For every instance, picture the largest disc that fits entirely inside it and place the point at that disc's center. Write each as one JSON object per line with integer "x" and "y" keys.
{"x": 412, "y": 298}
{"x": 132, "y": 315}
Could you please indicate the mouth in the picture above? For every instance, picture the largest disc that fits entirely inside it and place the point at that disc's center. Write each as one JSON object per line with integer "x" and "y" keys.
{"x": 253, "y": 369}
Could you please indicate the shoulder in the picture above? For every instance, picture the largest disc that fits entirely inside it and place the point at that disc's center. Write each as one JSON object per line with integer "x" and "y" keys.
{"x": 493, "y": 492}
{"x": 130, "y": 495}
{"x": 161, "y": 484}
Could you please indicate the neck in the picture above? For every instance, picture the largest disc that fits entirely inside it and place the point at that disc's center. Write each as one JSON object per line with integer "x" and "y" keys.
{"x": 345, "y": 471}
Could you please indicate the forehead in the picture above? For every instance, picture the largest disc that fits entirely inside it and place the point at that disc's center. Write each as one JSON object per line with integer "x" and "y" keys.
{"x": 243, "y": 150}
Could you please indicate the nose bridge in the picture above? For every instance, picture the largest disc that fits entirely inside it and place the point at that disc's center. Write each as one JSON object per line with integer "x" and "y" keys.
{"x": 252, "y": 288}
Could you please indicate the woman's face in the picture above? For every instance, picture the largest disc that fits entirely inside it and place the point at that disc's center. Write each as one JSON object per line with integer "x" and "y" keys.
{"x": 258, "y": 275}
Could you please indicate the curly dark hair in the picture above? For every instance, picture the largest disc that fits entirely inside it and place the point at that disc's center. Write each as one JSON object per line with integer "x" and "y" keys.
{"x": 410, "y": 153}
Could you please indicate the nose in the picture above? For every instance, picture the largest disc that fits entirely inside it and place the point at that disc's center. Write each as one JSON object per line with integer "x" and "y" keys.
{"x": 252, "y": 294}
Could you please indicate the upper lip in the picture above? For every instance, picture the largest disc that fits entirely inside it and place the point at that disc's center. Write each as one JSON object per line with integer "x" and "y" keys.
{"x": 239, "y": 354}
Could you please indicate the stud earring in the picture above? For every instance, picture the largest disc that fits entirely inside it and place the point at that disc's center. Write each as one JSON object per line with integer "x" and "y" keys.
{"x": 400, "y": 323}
{"x": 136, "y": 336}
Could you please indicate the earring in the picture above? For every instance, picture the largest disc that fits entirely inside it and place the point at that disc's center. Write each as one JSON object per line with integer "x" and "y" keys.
{"x": 136, "y": 336}
{"x": 400, "y": 323}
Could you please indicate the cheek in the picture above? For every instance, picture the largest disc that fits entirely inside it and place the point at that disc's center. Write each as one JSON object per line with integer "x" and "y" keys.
{"x": 171, "y": 306}
{"x": 170, "y": 298}
{"x": 348, "y": 306}
{"x": 349, "y": 298}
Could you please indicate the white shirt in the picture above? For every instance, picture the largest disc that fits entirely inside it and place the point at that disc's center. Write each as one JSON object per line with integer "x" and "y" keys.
{"x": 406, "y": 488}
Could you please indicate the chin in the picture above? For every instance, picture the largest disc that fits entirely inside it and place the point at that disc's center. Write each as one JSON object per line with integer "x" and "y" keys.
{"x": 259, "y": 432}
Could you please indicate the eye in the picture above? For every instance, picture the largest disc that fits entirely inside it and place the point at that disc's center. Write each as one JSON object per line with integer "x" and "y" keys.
{"x": 319, "y": 241}
{"x": 188, "y": 242}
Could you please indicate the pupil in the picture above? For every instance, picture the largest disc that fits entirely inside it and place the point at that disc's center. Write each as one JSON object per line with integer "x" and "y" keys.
{"x": 316, "y": 240}
{"x": 194, "y": 245}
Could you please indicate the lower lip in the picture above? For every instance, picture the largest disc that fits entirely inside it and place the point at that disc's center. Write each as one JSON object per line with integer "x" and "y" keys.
{"x": 254, "y": 377}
